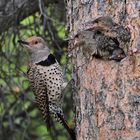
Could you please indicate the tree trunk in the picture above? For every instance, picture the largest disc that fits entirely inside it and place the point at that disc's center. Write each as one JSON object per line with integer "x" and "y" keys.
{"x": 107, "y": 93}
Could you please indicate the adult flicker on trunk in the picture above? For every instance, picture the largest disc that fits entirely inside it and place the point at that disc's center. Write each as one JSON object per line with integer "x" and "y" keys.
{"x": 46, "y": 79}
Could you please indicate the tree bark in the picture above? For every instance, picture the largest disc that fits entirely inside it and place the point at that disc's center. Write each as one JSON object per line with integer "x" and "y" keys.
{"x": 107, "y": 93}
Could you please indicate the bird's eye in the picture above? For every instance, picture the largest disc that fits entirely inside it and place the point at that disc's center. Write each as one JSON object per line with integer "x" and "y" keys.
{"x": 36, "y": 42}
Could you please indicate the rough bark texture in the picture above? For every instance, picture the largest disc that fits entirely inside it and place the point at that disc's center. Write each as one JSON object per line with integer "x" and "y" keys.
{"x": 107, "y": 96}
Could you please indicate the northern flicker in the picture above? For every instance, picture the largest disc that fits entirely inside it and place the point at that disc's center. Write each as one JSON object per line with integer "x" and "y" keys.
{"x": 104, "y": 39}
{"x": 113, "y": 31}
{"x": 46, "y": 79}
{"x": 100, "y": 46}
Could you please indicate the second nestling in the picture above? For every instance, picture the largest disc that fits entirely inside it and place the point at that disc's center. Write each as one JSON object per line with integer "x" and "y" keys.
{"x": 104, "y": 39}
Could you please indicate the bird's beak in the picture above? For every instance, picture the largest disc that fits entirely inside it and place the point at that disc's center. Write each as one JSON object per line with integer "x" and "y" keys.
{"x": 23, "y": 42}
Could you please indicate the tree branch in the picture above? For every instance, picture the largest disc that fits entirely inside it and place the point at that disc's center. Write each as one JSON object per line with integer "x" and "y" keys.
{"x": 12, "y": 11}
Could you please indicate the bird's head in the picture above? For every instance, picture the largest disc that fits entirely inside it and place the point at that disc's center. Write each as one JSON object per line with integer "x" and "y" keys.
{"x": 103, "y": 24}
{"x": 36, "y": 47}
{"x": 33, "y": 43}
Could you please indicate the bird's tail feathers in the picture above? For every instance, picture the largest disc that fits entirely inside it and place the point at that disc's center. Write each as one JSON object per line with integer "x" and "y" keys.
{"x": 65, "y": 124}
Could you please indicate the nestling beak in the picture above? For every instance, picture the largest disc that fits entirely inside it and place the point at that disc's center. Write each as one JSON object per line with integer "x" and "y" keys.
{"x": 23, "y": 42}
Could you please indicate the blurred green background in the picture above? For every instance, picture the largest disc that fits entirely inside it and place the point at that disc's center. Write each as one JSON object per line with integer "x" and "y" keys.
{"x": 19, "y": 117}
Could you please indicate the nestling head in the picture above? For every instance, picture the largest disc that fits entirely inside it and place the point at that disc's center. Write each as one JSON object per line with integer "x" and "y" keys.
{"x": 36, "y": 47}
